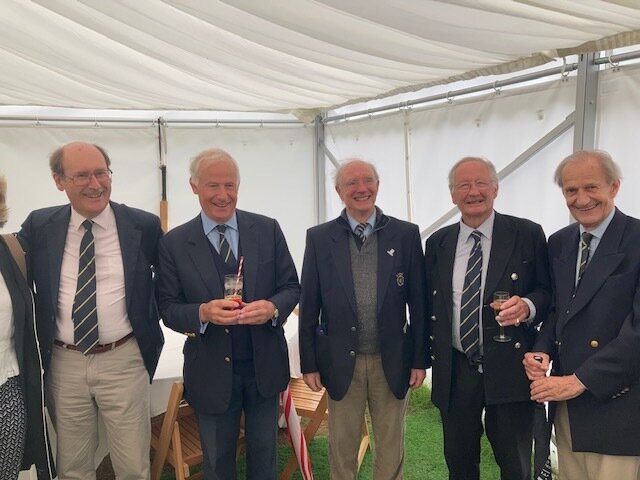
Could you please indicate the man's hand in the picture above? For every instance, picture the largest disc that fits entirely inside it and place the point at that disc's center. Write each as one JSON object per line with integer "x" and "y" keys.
{"x": 513, "y": 312}
{"x": 220, "y": 312}
{"x": 256, "y": 312}
{"x": 535, "y": 364}
{"x": 417, "y": 377}
{"x": 313, "y": 381}
{"x": 555, "y": 389}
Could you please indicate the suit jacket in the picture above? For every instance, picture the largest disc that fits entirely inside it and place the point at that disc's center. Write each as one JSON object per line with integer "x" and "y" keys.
{"x": 328, "y": 313}
{"x": 518, "y": 264}
{"x": 596, "y": 335}
{"x": 44, "y": 234}
{"x": 188, "y": 278}
{"x": 36, "y": 445}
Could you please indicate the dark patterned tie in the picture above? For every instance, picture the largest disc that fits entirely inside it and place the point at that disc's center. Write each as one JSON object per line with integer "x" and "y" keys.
{"x": 85, "y": 315}
{"x": 470, "y": 303}
{"x": 585, "y": 243}
{"x": 360, "y": 231}
{"x": 225, "y": 248}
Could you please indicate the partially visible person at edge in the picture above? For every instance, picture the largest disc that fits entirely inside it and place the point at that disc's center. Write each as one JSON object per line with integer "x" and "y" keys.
{"x": 361, "y": 273}
{"x": 92, "y": 262}
{"x": 593, "y": 332}
{"x": 23, "y": 434}
{"x": 479, "y": 381}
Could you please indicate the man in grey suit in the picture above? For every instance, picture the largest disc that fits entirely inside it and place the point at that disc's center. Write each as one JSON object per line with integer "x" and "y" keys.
{"x": 92, "y": 265}
{"x": 360, "y": 273}
{"x": 235, "y": 354}
{"x": 472, "y": 370}
{"x": 593, "y": 332}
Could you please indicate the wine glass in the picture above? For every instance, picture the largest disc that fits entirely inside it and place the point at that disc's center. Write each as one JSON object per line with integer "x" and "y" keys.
{"x": 499, "y": 298}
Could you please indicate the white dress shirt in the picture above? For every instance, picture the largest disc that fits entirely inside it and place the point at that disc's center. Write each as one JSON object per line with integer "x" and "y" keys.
{"x": 113, "y": 321}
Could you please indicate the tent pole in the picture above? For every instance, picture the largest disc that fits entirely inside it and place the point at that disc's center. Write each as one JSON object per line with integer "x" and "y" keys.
{"x": 407, "y": 163}
{"x": 586, "y": 102}
{"x": 319, "y": 168}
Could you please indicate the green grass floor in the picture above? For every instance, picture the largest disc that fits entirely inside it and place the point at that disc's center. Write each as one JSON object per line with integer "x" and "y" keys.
{"x": 424, "y": 457}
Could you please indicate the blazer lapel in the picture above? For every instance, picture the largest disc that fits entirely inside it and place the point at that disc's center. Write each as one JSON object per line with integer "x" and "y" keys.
{"x": 604, "y": 262}
{"x": 56, "y": 235}
{"x": 502, "y": 245}
{"x": 249, "y": 239}
{"x": 386, "y": 261}
{"x": 199, "y": 252}
{"x": 342, "y": 261}
{"x": 445, "y": 260}
{"x": 130, "y": 237}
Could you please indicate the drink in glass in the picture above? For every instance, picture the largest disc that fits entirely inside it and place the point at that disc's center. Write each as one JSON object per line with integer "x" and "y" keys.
{"x": 498, "y": 299}
{"x": 233, "y": 287}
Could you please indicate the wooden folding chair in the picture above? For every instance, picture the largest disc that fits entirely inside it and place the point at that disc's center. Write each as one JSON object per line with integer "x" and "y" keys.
{"x": 313, "y": 405}
{"x": 177, "y": 439}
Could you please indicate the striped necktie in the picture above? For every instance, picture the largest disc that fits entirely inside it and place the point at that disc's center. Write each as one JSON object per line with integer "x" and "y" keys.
{"x": 225, "y": 248}
{"x": 470, "y": 303}
{"x": 85, "y": 314}
{"x": 360, "y": 231}
{"x": 585, "y": 243}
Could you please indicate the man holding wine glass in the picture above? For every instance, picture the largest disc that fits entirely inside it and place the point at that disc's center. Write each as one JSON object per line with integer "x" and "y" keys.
{"x": 486, "y": 261}
{"x": 235, "y": 353}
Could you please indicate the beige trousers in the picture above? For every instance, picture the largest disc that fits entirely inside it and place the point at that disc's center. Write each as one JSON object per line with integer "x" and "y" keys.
{"x": 368, "y": 387}
{"x": 586, "y": 465}
{"x": 114, "y": 385}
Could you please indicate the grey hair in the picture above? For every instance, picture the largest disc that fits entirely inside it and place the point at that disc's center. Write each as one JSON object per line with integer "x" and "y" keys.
{"x": 210, "y": 155}
{"x": 55, "y": 159}
{"x": 490, "y": 166}
{"x": 4, "y": 210}
{"x": 337, "y": 175}
{"x": 611, "y": 169}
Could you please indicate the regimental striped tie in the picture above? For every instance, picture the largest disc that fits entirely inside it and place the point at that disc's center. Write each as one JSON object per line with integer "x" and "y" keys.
{"x": 85, "y": 315}
{"x": 585, "y": 243}
{"x": 225, "y": 248}
{"x": 470, "y": 303}
{"x": 360, "y": 231}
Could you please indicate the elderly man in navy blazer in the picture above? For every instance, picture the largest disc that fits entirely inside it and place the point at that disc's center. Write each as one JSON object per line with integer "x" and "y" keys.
{"x": 474, "y": 370}
{"x": 593, "y": 332}
{"x": 235, "y": 354}
{"x": 92, "y": 266}
{"x": 361, "y": 271}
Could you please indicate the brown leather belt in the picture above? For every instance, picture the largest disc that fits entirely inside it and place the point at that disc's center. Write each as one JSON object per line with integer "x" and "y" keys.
{"x": 98, "y": 348}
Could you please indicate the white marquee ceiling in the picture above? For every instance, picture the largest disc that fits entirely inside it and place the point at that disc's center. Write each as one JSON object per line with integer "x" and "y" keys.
{"x": 282, "y": 55}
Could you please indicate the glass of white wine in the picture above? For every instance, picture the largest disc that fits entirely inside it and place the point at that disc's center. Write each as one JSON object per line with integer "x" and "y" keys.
{"x": 499, "y": 298}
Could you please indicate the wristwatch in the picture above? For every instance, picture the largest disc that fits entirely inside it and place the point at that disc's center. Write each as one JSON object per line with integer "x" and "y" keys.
{"x": 275, "y": 318}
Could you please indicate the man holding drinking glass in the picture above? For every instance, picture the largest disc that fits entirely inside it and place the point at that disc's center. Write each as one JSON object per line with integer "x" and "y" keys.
{"x": 476, "y": 355}
{"x": 235, "y": 354}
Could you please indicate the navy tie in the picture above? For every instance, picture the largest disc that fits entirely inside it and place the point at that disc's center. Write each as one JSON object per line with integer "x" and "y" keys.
{"x": 360, "y": 231}
{"x": 585, "y": 243}
{"x": 225, "y": 248}
{"x": 470, "y": 303}
{"x": 85, "y": 314}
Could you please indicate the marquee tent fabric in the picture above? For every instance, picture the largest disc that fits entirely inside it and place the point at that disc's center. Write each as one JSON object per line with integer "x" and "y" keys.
{"x": 301, "y": 56}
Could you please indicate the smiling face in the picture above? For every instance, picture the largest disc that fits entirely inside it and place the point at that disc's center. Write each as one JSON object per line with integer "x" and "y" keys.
{"x": 357, "y": 187}
{"x": 216, "y": 185}
{"x": 82, "y": 158}
{"x": 588, "y": 193}
{"x": 473, "y": 191}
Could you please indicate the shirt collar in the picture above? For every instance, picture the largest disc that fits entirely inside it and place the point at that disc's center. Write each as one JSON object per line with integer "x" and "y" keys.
{"x": 486, "y": 228}
{"x": 208, "y": 224}
{"x": 103, "y": 219}
{"x": 353, "y": 223}
{"x": 600, "y": 229}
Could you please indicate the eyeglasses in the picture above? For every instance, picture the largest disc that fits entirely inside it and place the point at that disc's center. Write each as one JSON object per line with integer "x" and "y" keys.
{"x": 83, "y": 179}
{"x": 466, "y": 186}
